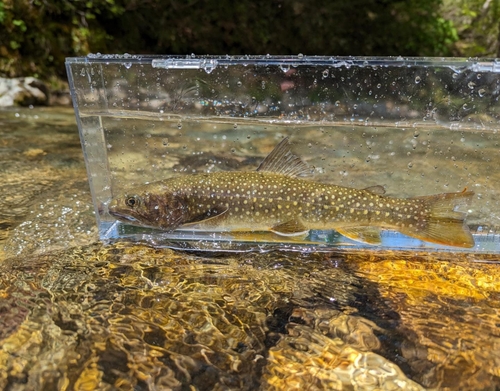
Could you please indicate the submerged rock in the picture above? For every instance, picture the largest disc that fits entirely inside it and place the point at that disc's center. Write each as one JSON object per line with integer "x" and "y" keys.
{"x": 23, "y": 91}
{"x": 127, "y": 316}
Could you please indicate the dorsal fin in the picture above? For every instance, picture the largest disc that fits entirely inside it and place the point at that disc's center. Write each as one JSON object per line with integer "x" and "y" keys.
{"x": 281, "y": 160}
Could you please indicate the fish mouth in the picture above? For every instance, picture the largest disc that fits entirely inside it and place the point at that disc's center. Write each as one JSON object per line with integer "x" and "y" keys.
{"x": 125, "y": 217}
{"x": 128, "y": 219}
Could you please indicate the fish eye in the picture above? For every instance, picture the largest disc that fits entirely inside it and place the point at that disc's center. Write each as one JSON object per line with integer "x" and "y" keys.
{"x": 132, "y": 201}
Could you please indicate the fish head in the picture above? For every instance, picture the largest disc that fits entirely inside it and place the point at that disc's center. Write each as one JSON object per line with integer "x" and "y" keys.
{"x": 148, "y": 208}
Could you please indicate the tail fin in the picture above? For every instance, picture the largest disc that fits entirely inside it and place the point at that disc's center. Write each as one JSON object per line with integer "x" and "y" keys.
{"x": 444, "y": 225}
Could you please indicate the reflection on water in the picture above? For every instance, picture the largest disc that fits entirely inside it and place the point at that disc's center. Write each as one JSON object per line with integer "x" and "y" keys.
{"x": 76, "y": 314}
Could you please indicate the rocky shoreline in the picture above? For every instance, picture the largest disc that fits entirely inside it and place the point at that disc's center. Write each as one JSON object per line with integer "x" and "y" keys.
{"x": 30, "y": 91}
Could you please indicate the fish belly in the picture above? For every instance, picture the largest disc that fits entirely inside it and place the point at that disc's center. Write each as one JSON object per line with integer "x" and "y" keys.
{"x": 291, "y": 206}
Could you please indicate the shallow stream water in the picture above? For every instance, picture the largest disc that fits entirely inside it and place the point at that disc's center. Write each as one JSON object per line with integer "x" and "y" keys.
{"x": 77, "y": 314}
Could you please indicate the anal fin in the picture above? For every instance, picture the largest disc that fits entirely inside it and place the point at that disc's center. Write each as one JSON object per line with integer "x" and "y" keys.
{"x": 293, "y": 227}
{"x": 364, "y": 234}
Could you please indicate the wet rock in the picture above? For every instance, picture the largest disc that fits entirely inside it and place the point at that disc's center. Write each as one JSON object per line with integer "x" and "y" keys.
{"x": 307, "y": 359}
{"x": 60, "y": 98}
{"x": 125, "y": 316}
{"x": 444, "y": 348}
{"x": 23, "y": 91}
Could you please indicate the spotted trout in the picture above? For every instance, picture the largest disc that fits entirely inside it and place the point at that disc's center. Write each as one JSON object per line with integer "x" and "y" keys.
{"x": 276, "y": 197}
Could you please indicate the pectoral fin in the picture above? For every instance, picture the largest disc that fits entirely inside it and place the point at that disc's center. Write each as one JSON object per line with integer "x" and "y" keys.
{"x": 211, "y": 219}
{"x": 293, "y": 227}
{"x": 370, "y": 235}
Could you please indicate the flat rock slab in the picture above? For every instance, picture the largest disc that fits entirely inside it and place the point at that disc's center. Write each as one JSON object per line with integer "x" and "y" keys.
{"x": 23, "y": 91}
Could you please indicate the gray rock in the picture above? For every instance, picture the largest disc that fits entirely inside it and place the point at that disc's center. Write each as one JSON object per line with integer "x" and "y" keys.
{"x": 23, "y": 91}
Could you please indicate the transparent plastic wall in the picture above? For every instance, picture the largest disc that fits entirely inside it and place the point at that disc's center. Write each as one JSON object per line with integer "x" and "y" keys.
{"x": 416, "y": 126}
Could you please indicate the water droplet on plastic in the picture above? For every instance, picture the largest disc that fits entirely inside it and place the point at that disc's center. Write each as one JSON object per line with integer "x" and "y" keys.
{"x": 239, "y": 83}
{"x": 471, "y": 85}
{"x": 165, "y": 142}
{"x": 127, "y": 65}
{"x": 285, "y": 67}
{"x": 325, "y": 73}
{"x": 481, "y": 92}
{"x": 337, "y": 103}
{"x": 416, "y": 134}
{"x": 418, "y": 79}
{"x": 179, "y": 126}
{"x": 300, "y": 55}
{"x": 379, "y": 85}
{"x": 82, "y": 72}
{"x": 410, "y": 165}
{"x": 208, "y": 65}
{"x": 235, "y": 126}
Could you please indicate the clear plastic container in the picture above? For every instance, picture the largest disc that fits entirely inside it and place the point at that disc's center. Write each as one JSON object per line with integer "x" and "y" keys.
{"x": 416, "y": 126}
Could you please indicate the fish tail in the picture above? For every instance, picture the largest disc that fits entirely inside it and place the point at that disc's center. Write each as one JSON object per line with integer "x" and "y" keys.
{"x": 443, "y": 224}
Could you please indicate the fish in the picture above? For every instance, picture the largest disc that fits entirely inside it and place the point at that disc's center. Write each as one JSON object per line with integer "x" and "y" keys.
{"x": 280, "y": 198}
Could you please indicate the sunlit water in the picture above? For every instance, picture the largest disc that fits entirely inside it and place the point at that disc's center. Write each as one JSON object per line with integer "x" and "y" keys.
{"x": 77, "y": 314}
{"x": 127, "y": 149}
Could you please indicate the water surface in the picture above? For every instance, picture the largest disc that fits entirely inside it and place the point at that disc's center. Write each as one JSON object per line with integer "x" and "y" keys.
{"x": 78, "y": 314}
{"x": 126, "y": 149}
